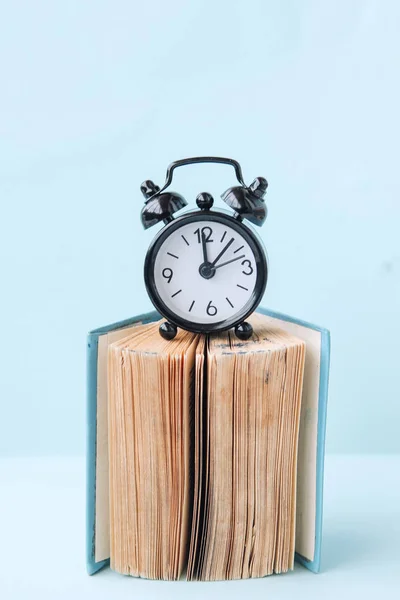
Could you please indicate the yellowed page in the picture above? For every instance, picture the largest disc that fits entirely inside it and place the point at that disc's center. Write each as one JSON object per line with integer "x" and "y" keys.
{"x": 102, "y": 524}
{"x": 307, "y": 451}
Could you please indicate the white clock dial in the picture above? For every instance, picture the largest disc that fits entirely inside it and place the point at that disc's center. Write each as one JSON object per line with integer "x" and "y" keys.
{"x": 205, "y": 271}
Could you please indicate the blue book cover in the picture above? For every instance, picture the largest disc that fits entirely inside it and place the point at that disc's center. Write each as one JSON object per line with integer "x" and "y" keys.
{"x": 311, "y": 437}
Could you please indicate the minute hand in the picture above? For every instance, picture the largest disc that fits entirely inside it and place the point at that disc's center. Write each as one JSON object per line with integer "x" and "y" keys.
{"x": 222, "y": 252}
{"x": 229, "y": 261}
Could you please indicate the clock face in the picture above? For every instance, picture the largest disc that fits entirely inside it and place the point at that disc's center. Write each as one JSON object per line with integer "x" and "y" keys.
{"x": 206, "y": 270}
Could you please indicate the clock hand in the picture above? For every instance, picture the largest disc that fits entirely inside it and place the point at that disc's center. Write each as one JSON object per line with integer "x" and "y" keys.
{"x": 229, "y": 261}
{"x": 204, "y": 244}
{"x": 222, "y": 252}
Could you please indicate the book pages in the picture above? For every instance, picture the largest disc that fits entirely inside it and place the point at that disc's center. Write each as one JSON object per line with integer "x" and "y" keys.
{"x": 253, "y": 408}
{"x": 203, "y": 437}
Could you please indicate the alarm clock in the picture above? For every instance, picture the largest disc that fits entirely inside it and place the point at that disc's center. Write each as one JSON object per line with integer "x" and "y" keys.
{"x": 205, "y": 271}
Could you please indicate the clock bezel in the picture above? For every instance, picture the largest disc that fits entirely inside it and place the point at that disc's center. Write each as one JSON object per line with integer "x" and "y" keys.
{"x": 261, "y": 266}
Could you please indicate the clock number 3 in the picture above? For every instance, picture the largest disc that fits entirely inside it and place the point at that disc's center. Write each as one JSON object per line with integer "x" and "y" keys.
{"x": 248, "y": 263}
{"x": 167, "y": 273}
{"x": 211, "y": 309}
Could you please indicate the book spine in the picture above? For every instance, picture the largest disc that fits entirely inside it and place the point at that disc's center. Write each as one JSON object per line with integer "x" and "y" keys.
{"x": 91, "y": 435}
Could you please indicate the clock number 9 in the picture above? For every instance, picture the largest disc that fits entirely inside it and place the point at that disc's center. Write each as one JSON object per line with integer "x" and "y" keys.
{"x": 248, "y": 263}
{"x": 167, "y": 273}
{"x": 211, "y": 309}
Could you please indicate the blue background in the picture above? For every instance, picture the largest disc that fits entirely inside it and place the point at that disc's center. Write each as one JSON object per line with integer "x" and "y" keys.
{"x": 97, "y": 96}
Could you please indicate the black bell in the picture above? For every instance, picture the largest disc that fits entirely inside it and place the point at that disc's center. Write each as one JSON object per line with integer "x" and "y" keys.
{"x": 248, "y": 202}
{"x": 161, "y": 207}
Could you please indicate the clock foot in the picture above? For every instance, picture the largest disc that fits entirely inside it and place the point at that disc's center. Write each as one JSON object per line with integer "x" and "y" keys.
{"x": 244, "y": 331}
{"x": 167, "y": 330}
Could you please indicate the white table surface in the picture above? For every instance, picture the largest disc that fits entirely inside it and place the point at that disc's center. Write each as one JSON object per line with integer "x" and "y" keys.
{"x": 42, "y": 552}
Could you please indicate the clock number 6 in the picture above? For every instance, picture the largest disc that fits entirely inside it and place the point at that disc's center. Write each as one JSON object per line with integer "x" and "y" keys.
{"x": 167, "y": 273}
{"x": 211, "y": 309}
{"x": 248, "y": 263}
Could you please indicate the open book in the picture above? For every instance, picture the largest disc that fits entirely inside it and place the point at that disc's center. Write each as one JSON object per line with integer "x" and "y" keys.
{"x": 205, "y": 455}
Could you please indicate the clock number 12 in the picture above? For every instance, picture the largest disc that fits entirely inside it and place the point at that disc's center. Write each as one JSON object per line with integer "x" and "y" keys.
{"x": 206, "y": 231}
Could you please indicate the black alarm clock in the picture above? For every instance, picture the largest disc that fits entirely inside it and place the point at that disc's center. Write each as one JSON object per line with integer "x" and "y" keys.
{"x": 205, "y": 271}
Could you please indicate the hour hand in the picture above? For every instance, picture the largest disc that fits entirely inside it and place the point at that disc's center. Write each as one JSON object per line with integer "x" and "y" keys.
{"x": 204, "y": 244}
